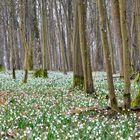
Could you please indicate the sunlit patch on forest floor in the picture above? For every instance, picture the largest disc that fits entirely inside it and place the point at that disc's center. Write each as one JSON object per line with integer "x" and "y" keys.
{"x": 39, "y": 109}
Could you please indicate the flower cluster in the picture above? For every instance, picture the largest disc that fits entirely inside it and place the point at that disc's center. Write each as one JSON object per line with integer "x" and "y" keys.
{"x": 34, "y": 110}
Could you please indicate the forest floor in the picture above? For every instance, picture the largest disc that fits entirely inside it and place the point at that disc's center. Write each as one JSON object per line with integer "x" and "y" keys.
{"x": 49, "y": 109}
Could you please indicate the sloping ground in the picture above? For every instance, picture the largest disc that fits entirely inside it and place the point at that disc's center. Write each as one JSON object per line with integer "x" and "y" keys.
{"x": 35, "y": 110}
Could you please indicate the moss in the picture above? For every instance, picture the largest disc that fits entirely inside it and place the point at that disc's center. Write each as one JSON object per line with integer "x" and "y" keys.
{"x": 2, "y": 68}
{"x": 25, "y": 76}
{"x": 78, "y": 81}
{"x": 40, "y": 73}
{"x": 136, "y": 101}
{"x": 137, "y": 78}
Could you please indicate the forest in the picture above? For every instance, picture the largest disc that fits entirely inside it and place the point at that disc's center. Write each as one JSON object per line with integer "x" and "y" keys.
{"x": 69, "y": 69}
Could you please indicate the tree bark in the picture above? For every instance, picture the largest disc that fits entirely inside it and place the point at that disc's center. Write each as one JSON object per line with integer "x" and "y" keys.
{"x": 88, "y": 81}
{"x": 126, "y": 54}
{"x": 78, "y": 75}
{"x": 102, "y": 14}
{"x": 117, "y": 32}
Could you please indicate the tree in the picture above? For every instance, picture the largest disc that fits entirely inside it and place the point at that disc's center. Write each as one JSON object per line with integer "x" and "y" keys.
{"x": 62, "y": 39}
{"x": 102, "y": 14}
{"x": 126, "y": 54}
{"x": 137, "y": 20}
{"x": 78, "y": 75}
{"x": 5, "y": 35}
{"x": 88, "y": 81}
{"x": 44, "y": 38}
{"x": 67, "y": 7}
{"x": 24, "y": 22}
{"x": 111, "y": 48}
{"x": 12, "y": 39}
{"x": 117, "y": 31}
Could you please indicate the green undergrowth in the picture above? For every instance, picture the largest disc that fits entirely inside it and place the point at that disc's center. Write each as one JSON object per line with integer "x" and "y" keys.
{"x": 35, "y": 110}
{"x": 2, "y": 68}
{"x": 136, "y": 101}
{"x": 40, "y": 73}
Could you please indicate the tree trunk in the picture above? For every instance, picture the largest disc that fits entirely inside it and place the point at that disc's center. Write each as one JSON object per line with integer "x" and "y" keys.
{"x": 88, "y": 81}
{"x": 44, "y": 36}
{"x": 111, "y": 48}
{"x": 117, "y": 32}
{"x": 126, "y": 58}
{"x": 24, "y": 36}
{"x": 102, "y": 14}
{"x": 137, "y": 19}
{"x": 78, "y": 75}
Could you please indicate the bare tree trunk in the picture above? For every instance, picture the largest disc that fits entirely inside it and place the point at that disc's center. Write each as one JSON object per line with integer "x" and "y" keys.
{"x": 78, "y": 75}
{"x": 117, "y": 32}
{"x": 44, "y": 37}
{"x": 99, "y": 60}
{"x": 24, "y": 37}
{"x": 126, "y": 58}
{"x": 88, "y": 81}
{"x": 102, "y": 14}
{"x": 5, "y": 24}
{"x": 62, "y": 41}
{"x": 137, "y": 19}
{"x": 111, "y": 46}
{"x": 12, "y": 40}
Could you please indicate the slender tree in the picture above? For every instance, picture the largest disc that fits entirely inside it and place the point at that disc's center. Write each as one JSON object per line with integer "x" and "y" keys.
{"x": 126, "y": 54}
{"x": 78, "y": 75}
{"x": 88, "y": 81}
{"x": 44, "y": 37}
{"x": 117, "y": 32}
{"x": 12, "y": 39}
{"x": 102, "y": 14}
{"x": 24, "y": 35}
